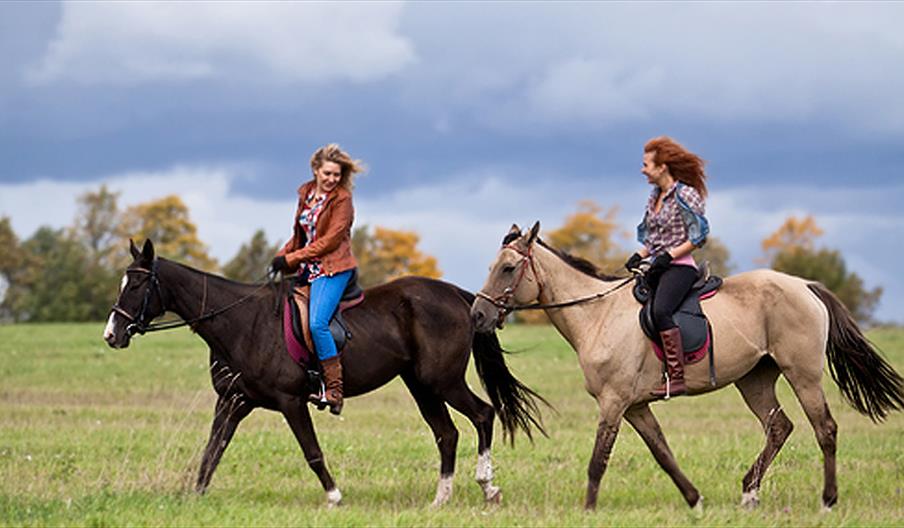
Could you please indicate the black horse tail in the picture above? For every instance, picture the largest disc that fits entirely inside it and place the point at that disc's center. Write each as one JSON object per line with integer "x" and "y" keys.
{"x": 866, "y": 380}
{"x": 516, "y": 404}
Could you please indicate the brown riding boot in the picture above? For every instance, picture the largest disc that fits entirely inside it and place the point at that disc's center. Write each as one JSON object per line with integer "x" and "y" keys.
{"x": 332, "y": 378}
{"x": 674, "y": 364}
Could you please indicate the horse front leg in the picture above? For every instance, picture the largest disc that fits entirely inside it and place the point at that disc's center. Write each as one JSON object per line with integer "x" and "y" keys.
{"x": 606, "y": 433}
{"x": 229, "y": 411}
{"x": 299, "y": 419}
{"x": 646, "y": 425}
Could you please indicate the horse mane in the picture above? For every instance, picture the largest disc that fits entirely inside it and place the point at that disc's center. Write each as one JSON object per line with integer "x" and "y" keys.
{"x": 581, "y": 264}
{"x": 209, "y": 275}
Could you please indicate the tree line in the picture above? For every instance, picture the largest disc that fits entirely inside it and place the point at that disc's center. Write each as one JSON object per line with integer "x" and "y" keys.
{"x": 71, "y": 274}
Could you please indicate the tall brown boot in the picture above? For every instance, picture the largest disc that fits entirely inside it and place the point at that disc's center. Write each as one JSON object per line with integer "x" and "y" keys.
{"x": 332, "y": 378}
{"x": 674, "y": 364}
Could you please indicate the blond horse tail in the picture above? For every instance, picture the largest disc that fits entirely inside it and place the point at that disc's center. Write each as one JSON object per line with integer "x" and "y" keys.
{"x": 866, "y": 380}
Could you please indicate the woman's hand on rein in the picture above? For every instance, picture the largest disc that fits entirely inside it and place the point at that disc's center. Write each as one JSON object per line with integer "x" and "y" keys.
{"x": 659, "y": 265}
{"x": 279, "y": 263}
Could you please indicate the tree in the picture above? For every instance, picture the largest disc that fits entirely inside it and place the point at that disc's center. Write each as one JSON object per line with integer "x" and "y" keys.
{"x": 716, "y": 253}
{"x": 794, "y": 233}
{"x": 252, "y": 259}
{"x": 389, "y": 254}
{"x": 62, "y": 281}
{"x": 165, "y": 221}
{"x": 96, "y": 223}
{"x": 792, "y": 249}
{"x": 589, "y": 233}
{"x": 11, "y": 268}
{"x": 828, "y": 267}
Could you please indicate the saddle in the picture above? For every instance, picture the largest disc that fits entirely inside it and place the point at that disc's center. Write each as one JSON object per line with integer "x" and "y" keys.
{"x": 297, "y": 331}
{"x": 696, "y": 335}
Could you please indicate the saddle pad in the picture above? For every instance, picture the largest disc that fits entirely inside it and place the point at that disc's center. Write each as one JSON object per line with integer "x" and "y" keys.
{"x": 298, "y": 323}
{"x": 690, "y": 356}
{"x": 297, "y": 350}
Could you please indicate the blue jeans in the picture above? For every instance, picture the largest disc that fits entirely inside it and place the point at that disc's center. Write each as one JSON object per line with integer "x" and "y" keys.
{"x": 325, "y": 294}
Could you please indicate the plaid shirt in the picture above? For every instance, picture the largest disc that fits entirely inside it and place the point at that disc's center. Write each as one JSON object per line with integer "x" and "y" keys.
{"x": 668, "y": 228}
{"x": 308, "y": 221}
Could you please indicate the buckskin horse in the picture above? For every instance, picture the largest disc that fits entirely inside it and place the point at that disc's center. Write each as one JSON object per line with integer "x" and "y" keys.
{"x": 416, "y": 328}
{"x": 764, "y": 323}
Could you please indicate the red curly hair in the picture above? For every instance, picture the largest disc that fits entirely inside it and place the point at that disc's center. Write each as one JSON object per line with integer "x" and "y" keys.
{"x": 684, "y": 165}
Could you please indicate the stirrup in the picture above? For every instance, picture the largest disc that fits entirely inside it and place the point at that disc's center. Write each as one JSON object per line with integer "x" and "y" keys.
{"x": 319, "y": 399}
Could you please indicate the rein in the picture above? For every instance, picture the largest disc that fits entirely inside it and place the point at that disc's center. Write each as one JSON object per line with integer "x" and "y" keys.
{"x": 138, "y": 324}
{"x": 502, "y": 301}
{"x": 572, "y": 302}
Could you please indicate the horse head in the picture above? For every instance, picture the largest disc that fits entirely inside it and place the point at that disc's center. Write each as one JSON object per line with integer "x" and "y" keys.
{"x": 140, "y": 298}
{"x": 512, "y": 281}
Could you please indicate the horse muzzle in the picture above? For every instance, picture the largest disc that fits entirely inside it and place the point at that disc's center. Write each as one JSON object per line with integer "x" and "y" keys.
{"x": 486, "y": 316}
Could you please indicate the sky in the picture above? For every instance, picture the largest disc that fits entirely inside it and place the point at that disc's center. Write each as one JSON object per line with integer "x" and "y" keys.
{"x": 470, "y": 116}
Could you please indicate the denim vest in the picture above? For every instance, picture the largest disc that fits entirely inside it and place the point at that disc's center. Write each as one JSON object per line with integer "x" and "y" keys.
{"x": 697, "y": 225}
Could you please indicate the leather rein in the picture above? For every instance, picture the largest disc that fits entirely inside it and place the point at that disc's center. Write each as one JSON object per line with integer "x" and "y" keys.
{"x": 139, "y": 325}
{"x": 503, "y": 301}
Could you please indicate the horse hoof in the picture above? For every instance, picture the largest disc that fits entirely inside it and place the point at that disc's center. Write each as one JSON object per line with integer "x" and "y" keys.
{"x": 750, "y": 500}
{"x": 443, "y": 491}
{"x": 697, "y": 510}
{"x": 333, "y": 498}
{"x": 493, "y": 495}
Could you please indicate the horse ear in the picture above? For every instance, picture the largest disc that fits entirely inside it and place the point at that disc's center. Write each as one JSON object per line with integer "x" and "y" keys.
{"x": 513, "y": 234}
{"x": 133, "y": 249}
{"x": 534, "y": 231}
{"x": 147, "y": 252}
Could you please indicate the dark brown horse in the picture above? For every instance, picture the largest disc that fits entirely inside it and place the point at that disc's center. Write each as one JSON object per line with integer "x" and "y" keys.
{"x": 416, "y": 328}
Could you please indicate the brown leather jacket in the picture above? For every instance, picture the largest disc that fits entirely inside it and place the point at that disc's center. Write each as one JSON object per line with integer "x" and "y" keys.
{"x": 333, "y": 245}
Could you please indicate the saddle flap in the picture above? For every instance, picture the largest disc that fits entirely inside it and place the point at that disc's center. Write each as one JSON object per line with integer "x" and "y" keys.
{"x": 301, "y": 295}
{"x": 689, "y": 316}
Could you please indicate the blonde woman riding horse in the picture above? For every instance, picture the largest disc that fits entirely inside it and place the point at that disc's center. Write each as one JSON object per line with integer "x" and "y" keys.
{"x": 765, "y": 323}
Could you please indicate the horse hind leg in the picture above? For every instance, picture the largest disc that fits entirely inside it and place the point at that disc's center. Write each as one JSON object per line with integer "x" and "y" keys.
{"x": 807, "y": 387}
{"x": 435, "y": 413}
{"x": 481, "y": 414}
{"x": 758, "y": 390}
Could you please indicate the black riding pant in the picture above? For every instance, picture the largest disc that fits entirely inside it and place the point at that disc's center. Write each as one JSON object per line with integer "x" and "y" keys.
{"x": 672, "y": 288}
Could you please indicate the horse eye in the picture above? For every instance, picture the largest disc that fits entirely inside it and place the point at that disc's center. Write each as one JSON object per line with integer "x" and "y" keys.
{"x": 508, "y": 268}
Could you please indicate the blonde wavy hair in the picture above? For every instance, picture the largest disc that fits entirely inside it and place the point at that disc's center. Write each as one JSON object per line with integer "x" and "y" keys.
{"x": 349, "y": 167}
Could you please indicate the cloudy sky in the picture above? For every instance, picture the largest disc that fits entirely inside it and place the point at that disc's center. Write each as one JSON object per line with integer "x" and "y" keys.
{"x": 470, "y": 116}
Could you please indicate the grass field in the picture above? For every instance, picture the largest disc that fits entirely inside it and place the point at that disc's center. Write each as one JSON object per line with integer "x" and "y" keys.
{"x": 97, "y": 437}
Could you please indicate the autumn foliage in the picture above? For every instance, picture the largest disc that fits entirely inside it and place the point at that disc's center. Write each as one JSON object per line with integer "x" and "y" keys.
{"x": 388, "y": 254}
{"x": 792, "y": 249}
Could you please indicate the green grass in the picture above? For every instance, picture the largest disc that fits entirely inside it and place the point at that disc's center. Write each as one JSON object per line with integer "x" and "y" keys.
{"x": 93, "y": 436}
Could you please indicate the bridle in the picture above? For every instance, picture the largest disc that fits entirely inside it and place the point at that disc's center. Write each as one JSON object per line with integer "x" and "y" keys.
{"x": 503, "y": 303}
{"x": 503, "y": 300}
{"x": 139, "y": 324}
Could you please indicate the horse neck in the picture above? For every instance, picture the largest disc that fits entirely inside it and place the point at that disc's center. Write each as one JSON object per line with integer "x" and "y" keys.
{"x": 560, "y": 283}
{"x": 190, "y": 293}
